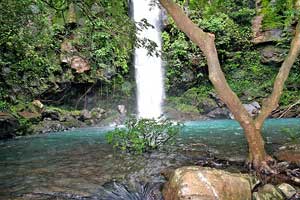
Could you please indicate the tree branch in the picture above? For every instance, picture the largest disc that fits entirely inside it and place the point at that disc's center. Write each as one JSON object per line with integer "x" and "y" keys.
{"x": 272, "y": 101}
{"x": 206, "y": 43}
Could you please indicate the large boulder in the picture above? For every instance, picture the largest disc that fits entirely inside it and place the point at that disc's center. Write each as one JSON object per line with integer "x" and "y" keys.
{"x": 8, "y": 125}
{"x": 199, "y": 183}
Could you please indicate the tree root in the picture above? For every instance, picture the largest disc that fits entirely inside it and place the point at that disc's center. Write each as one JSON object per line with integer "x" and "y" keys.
{"x": 276, "y": 173}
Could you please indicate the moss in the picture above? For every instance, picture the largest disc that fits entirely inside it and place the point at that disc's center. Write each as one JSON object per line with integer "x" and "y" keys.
{"x": 187, "y": 108}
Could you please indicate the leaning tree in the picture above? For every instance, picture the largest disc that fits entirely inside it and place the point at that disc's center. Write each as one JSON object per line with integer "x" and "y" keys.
{"x": 258, "y": 157}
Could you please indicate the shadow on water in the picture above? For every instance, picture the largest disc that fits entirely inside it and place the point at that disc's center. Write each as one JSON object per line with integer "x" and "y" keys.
{"x": 79, "y": 164}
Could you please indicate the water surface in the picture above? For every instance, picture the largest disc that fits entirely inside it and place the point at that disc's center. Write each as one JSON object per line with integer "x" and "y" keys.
{"x": 80, "y": 161}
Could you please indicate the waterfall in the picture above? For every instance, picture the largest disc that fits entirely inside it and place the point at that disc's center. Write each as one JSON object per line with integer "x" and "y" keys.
{"x": 148, "y": 69}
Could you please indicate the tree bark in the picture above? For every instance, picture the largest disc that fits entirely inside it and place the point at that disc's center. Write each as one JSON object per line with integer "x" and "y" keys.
{"x": 205, "y": 41}
{"x": 272, "y": 101}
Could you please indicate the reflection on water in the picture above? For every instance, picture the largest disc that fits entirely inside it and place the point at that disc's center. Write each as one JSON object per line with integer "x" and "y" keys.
{"x": 79, "y": 161}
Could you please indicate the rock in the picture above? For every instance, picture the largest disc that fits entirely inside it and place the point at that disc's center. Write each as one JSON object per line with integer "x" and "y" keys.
{"x": 8, "y": 125}
{"x": 32, "y": 116}
{"x": 268, "y": 36}
{"x": 66, "y": 49}
{"x": 38, "y": 104}
{"x": 295, "y": 197}
{"x": 188, "y": 76}
{"x": 197, "y": 183}
{"x": 174, "y": 114}
{"x": 290, "y": 154}
{"x": 97, "y": 113}
{"x": 207, "y": 105}
{"x": 217, "y": 99}
{"x": 52, "y": 115}
{"x": 272, "y": 55}
{"x": 253, "y": 109}
{"x": 287, "y": 190}
{"x": 122, "y": 110}
{"x": 268, "y": 192}
{"x": 98, "y": 110}
{"x": 85, "y": 115}
{"x": 219, "y": 113}
{"x": 79, "y": 64}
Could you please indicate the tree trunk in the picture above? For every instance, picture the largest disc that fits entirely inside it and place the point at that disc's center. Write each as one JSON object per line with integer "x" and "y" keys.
{"x": 205, "y": 41}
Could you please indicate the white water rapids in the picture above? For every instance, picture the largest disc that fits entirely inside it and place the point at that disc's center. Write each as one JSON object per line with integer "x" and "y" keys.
{"x": 148, "y": 69}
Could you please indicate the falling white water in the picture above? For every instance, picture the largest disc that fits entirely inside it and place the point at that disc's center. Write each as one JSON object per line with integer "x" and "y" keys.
{"x": 148, "y": 69}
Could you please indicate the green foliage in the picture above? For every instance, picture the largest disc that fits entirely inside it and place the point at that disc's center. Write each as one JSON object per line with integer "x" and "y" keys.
{"x": 278, "y": 14}
{"x": 143, "y": 135}
{"x": 3, "y": 106}
{"x": 189, "y": 101}
{"x": 292, "y": 134}
{"x": 230, "y": 21}
{"x": 31, "y": 34}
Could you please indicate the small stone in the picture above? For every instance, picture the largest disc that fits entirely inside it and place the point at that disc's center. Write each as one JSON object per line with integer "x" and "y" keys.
{"x": 38, "y": 104}
{"x": 267, "y": 192}
{"x": 287, "y": 190}
{"x": 282, "y": 148}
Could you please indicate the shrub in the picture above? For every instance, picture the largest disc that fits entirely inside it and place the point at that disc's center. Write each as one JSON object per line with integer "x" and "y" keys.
{"x": 143, "y": 135}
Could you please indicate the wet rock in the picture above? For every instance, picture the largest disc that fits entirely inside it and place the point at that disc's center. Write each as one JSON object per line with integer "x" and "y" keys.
{"x": 287, "y": 190}
{"x": 219, "y": 113}
{"x": 268, "y": 192}
{"x": 206, "y": 183}
{"x": 8, "y": 125}
{"x": 48, "y": 126}
{"x": 149, "y": 191}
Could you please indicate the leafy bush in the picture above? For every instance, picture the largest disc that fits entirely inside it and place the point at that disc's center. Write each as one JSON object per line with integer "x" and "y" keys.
{"x": 292, "y": 134}
{"x": 143, "y": 135}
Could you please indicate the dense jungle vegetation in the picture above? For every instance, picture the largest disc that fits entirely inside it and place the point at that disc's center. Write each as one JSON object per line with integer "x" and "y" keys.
{"x": 62, "y": 51}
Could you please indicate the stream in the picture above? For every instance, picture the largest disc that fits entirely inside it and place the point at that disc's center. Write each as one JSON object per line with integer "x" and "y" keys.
{"x": 79, "y": 161}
